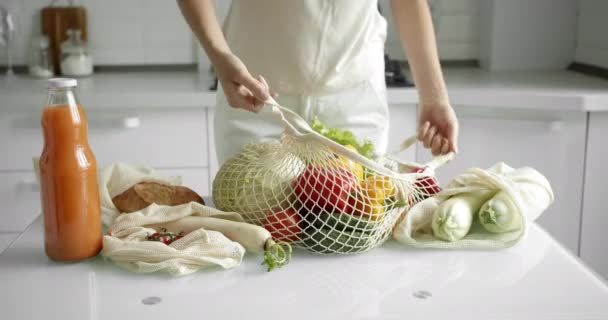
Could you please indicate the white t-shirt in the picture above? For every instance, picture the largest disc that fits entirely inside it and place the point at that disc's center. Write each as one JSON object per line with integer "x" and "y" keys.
{"x": 308, "y": 47}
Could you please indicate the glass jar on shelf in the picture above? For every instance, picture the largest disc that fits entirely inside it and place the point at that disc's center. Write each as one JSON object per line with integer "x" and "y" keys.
{"x": 76, "y": 61}
{"x": 40, "y": 65}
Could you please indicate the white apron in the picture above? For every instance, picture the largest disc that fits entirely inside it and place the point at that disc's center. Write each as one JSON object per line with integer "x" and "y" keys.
{"x": 325, "y": 58}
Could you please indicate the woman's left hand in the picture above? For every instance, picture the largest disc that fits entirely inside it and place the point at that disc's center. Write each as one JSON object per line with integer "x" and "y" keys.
{"x": 438, "y": 128}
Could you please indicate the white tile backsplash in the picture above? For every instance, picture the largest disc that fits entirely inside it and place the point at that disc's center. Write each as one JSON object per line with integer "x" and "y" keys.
{"x": 164, "y": 32}
{"x": 114, "y": 57}
{"x": 167, "y": 55}
{"x": 154, "y": 32}
{"x": 121, "y": 32}
{"x": 160, "y": 8}
{"x": 461, "y": 28}
{"x": 456, "y": 25}
{"x": 592, "y": 42}
{"x": 117, "y": 8}
{"x": 457, "y": 6}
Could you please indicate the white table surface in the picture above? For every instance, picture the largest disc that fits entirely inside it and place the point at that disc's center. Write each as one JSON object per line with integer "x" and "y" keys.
{"x": 6, "y": 238}
{"x": 536, "y": 279}
{"x": 538, "y": 90}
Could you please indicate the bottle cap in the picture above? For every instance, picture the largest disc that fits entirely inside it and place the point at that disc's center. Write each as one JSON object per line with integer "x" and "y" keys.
{"x": 62, "y": 83}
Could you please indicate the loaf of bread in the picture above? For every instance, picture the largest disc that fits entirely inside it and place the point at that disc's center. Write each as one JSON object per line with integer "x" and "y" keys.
{"x": 143, "y": 194}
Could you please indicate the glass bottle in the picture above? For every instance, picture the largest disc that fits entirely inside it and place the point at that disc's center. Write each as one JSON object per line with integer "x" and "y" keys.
{"x": 68, "y": 178}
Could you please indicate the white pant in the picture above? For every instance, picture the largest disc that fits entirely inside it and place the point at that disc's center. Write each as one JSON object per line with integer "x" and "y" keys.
{"x": 362, "y": 109}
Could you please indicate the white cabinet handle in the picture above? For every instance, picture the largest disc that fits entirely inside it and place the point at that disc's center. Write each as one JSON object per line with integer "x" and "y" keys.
{"x": 28, "y": 185}
{"x": 552, "y": 124}
{"x": 556, "y": 126}
{"x": 133, "y": 122}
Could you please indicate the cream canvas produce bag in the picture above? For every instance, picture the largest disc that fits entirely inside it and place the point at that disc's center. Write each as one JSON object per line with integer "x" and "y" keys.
{"x": 127, "y": 239}
{"x": 529, "y": 190}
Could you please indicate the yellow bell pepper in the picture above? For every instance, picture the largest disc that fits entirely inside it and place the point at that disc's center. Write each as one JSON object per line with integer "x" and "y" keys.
{"x": 347, "y": 164}
{"x": 382, "y": 183}
{"x": 370, "y": 208}
{"x": 370, "y": 199}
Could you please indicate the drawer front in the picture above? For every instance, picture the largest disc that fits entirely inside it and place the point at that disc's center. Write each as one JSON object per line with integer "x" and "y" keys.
{"x": 196, "y": 179}
{"x": 171, "y": 138}
{"x": 20, "y": 198}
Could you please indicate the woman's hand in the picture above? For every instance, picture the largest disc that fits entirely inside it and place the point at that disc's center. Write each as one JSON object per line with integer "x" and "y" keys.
{"x": 438, "y": 128}
{"x": 242, "y": 90}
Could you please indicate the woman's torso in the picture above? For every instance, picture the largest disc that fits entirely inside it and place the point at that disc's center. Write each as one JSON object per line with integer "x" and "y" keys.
{"x": 308, "y": 47}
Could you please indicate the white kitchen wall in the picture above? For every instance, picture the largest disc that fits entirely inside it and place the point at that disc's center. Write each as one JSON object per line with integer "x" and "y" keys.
{"x": 528, "y": 35}
{"x": 121, "y": 32}
{"x": 592, "y": 44}
{"x": 456, "y": 24}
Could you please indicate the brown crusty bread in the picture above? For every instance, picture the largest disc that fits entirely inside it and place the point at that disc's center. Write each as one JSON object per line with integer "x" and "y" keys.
{"x": 142, "y": 194}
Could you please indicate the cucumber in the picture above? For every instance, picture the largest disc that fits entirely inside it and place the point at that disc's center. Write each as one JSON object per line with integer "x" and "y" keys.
{"x": 331, "y": 241}
{"x": 344, "y": 222}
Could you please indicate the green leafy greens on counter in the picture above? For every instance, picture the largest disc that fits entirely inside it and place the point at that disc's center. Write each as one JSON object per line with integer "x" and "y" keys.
{"x": 344, "y": 137}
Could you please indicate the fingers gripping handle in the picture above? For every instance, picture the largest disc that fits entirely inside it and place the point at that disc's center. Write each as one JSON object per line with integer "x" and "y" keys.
{"x": 436, "y": 162}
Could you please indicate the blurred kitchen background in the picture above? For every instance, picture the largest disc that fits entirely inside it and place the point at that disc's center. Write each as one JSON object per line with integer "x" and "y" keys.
{"x": 527, "y": 79}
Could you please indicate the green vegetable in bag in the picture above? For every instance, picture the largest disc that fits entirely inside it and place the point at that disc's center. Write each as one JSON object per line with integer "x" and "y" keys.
{"x": 453, "y": 218}
{"x": 344, "y": 137}
{"x": 499, "y": 214}
{"x": 343, "y": 222}
{"x": 256, "y": 179}
{"x": 330, "y": 241}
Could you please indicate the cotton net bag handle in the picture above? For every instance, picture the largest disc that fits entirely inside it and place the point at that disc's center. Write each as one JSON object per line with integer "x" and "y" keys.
{"x": 298, "y": 127}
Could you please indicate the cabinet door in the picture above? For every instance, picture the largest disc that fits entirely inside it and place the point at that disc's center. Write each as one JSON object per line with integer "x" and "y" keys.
{"x": 213, "y": 164}
{"x": 402, "y": 125}
{"x": 156, "y": 138}
{"x": 554, "y": 144}
{"x": 594, "y": 234}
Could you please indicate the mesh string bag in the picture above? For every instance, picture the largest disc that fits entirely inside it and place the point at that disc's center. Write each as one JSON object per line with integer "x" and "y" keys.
{"x": 317, "y": 194}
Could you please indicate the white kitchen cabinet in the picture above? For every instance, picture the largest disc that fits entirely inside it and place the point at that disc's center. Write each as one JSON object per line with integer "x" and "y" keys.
{"x": 594, "y": 235}
{"x": 156, "y": 138}
{"x": 172, "y": 140}
{"x": 214, "y": 166}
{"x": 159, "y": 138}
{"x": 552, "y": 143}
{"x": 402, "y": 125}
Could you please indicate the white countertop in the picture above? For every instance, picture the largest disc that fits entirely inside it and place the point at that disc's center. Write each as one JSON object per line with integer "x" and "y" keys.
{"x": 536, "y": 279}
{"x": 543, "y": 90}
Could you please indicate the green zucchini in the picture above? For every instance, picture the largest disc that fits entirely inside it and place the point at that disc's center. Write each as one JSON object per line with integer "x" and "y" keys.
{"x": 331, "y": 241}
{"x": 500, "y": 214}
{"x": 344, "y": 222}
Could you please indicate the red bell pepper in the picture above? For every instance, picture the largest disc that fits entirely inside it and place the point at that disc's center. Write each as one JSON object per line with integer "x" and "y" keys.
{"x": 325, "y": 189}
{"x": 284, "y": 225}
{"x": 425, "y": 187}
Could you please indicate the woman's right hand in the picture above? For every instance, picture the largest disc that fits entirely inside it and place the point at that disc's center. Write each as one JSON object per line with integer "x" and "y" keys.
{"x": 242, "y": 90}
